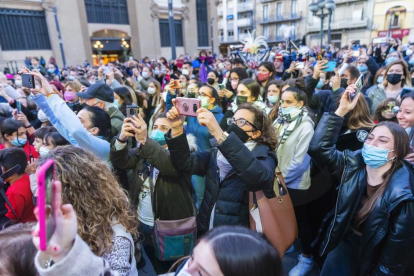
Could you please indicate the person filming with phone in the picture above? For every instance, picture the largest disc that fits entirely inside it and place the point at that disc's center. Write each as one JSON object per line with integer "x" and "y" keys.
{"x": 157, "y": 189}
{"x": 243, "y": 160}
{"x": 371, "y": 230}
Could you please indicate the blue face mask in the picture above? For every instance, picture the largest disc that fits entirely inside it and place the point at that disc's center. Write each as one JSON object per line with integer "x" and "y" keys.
{"x": 116, "y": 103}
{"x": 157, "y": 72}
{"x": 375, "y": 157}
{"x": 411, "y": 61}
{"x": 158, "y": 136}
{"x": 362, "y": 68}
{"x": 389, "y": 60}
{"x": 51, "y": 71}
{"x": 18, "y": 142}
{"x": 380, "y": 79}
{"x": 320, "y": 84}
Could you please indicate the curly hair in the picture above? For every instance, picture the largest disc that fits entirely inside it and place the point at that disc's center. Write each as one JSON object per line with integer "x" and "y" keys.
{"x": 96, "y": 196}
{"x": 262, "y": 122}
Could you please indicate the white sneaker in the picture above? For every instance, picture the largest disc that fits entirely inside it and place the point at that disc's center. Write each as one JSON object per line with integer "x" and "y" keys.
{"x": 303, "y": 267}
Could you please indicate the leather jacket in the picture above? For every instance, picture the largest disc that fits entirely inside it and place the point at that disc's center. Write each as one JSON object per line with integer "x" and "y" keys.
{"x": 387, "y": 246}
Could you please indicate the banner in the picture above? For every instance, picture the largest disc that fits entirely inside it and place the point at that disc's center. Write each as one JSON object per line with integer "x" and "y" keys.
{"x": 400, "y": 33}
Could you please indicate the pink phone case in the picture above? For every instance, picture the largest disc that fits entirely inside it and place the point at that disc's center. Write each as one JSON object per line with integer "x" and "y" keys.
{"x": 41, "y": 202}
{"x": 187, "y": 107}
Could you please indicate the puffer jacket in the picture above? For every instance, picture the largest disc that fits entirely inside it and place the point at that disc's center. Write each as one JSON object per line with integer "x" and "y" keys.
{"x": 252, "y": 171}
{"x": 388, "y": 233}
{"x": 172, "y": 191}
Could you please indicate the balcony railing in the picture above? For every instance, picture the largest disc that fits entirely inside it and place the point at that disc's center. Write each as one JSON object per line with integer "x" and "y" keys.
{"x": 344, "y": 23}
{"x": 275, "y": 38}
{"x": 244, "y": 22}
{"x": 338, "y": 2}
{"x": 281, "y": 18}
{"x": 248, "y": 6}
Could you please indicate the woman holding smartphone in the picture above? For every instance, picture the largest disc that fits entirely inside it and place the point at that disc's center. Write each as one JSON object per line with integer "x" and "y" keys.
{"x": 370, "y": 231}
{"x": 243, "y": 161}
{"x": 105, "y": 218}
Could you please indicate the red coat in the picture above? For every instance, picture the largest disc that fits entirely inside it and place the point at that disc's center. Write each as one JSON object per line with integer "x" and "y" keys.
{"x": 28, "y": 149}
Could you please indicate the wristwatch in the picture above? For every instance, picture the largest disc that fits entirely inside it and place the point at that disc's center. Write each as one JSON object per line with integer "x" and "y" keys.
{"x": 222, "y": 138}
{"x": 119, "y": 140}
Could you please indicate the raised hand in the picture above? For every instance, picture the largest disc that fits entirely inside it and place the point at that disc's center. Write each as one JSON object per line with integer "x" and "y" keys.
{"x": 176, "y": 123}
{"x": 206, "y": 118}
{"x": 345, "y": 105}
{"x": 319, "y": 66}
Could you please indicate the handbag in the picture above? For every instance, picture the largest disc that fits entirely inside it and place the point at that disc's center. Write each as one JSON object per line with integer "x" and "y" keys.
{"x": 275, "y": 217}
{"x": 173, "y": 239}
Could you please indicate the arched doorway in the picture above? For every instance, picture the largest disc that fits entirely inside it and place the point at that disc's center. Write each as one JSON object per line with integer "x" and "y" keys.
{"x": 109, "y": 46}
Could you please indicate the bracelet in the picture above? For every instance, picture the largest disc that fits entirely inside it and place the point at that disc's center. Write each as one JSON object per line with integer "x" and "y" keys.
{"x": 121, "y": 141}
{"x": 222, "y": 138}
{"x": 28, "y": 126}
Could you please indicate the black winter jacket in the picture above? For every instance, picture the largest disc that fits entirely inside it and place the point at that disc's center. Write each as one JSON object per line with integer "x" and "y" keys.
{"x": 387, "y": 246}
{"x": 172, "y": 191}
{"x": 252, "y": 171}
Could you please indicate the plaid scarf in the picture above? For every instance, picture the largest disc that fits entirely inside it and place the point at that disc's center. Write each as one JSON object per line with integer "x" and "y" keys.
{"x": 293, "y": 122}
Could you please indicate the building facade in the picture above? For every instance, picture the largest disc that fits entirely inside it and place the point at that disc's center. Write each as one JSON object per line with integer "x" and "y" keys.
{"x": 123, "y": 28}
{"x": 395, "y": 18}
{"x": 351, "y": 20}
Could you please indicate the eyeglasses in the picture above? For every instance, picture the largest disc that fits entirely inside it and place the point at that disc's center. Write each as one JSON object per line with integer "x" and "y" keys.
{"x": 240, "y": 122}
{"x": 204, "y": 95}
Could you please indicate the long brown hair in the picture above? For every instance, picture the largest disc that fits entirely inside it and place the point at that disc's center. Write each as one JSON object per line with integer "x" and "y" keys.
{"x": 406, "y": 73}
{"x": 359, "y": 117}
{"x": 261, "y": 121}
{"x": 401, "y": 149}
{"x": 96, "y": 196}
{"x": 275, "y": 109}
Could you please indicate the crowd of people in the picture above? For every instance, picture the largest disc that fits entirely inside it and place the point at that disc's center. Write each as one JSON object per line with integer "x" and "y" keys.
{"x": 344, "y": 149}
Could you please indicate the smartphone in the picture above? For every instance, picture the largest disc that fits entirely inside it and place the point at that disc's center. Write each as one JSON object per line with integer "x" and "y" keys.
{"x": 300, "y": 65}
{"x": 356, "y": 42}
{"x": 106, "y": 70}
{"x": 175, "y": 84}
{"x": 180, "y": 63}
{"x": 331, "y": 66}
{"x": 379, "y": 40}
{"x": 188, "y": 107}
{"x": 132, "y": 110}
{"x": 28, "y": 81}
{"x": 45, "y": 202}
{"x": 359, "y": 84}
{"x": 355, "y": 53}
{"x": 19, "y": 107}
{"x": 221, "y": 86}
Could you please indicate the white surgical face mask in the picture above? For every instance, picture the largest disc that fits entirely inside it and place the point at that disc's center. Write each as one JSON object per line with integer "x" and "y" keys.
{"x": 43, "y": 151}
{"x": 145, "y": 75}
{"x": 151, "y": 90}
{"x": 164, "y": 96}
{"x": 185, "y": 72}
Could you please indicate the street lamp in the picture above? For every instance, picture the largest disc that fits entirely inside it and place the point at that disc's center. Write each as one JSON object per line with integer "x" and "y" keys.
{"x": 125, "y": 47}
{"x": 321, "y": 5}
{"x": 99, "y": 46}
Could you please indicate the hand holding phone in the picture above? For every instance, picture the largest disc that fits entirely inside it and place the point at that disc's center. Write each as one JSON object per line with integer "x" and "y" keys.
{"x": 46, "y": 203}
{"x": 19, "y": 107}
{"x": 187, "y": 106}
{"x": 66, "y": 227}
{"x": 28, "y": 81}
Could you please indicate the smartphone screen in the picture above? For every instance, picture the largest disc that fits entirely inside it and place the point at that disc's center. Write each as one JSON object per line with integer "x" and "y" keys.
{"x": 355, "y": 53}
{"x": 221, "y": 86}
{"x": 331, "y": 66}
{"x": 379, "y": 40}
{"x": 106, "y": 70}
{"x": 46, "y": 202}
{"x": 19, "y": 107}
{"x": 300, "y": 65}
{"x": 359, "y": 84}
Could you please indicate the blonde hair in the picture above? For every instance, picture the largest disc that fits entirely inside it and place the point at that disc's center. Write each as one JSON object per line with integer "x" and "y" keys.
{"x": 96, "y": 196}
{"x": 407, "y": 77}
{"x": 75, "y": 85}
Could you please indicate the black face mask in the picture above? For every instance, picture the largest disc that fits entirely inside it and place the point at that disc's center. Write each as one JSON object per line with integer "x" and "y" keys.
{"x": 241, "y": 100}
{"x": 191, "y": 95}
{"x": 240, "y": 133}
{"x": 344, "y": 83}
{"x": 210, "y": 81}
{"x": 394, "y": 78}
